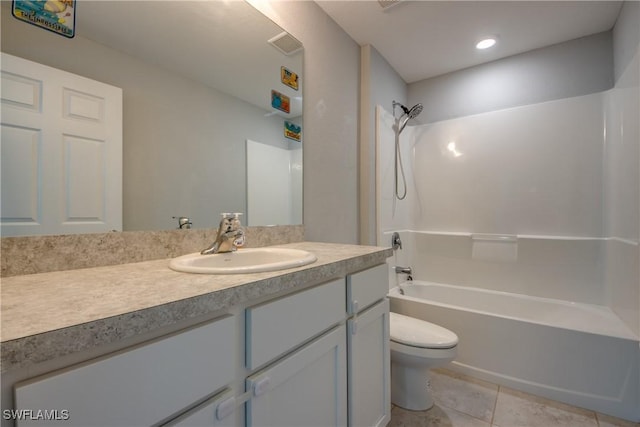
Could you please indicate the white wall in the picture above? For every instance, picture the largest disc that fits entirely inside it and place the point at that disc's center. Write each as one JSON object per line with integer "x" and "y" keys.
{"x": 331, "y": 67}
{"x": 535, "y": 169}
{"x": 534, "y": 172}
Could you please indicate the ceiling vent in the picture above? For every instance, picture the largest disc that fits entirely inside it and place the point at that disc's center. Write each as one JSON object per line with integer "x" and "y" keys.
{"x": 286, "y": 43}
{"x": 388, "y": 4}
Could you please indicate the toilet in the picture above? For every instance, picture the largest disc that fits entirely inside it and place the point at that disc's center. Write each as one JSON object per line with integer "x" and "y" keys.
{"x": 416, "y": 347}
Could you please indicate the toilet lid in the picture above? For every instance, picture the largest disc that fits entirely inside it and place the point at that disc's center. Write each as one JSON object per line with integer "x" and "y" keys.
{"x": 418, "y": 333}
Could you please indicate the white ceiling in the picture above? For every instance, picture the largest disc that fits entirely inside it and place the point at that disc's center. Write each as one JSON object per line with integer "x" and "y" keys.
{"x": 422, "y": 39}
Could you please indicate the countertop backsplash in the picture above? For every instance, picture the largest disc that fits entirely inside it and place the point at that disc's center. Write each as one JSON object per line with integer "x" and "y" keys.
{"x": 41, "y": 254}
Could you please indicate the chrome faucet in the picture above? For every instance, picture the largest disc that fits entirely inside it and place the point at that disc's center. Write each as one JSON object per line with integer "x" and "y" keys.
{"x": 404, "y": 270}
{"x": 230, "y": 235}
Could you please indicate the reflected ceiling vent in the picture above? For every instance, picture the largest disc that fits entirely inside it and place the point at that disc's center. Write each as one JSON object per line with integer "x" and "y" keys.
{"x": 285, "y": 43}
{"x": 388, "y": 4}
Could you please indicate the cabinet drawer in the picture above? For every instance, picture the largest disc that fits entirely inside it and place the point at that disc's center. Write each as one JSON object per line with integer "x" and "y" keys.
{"x": 138, "y": 386}
{"x": 275, "y": 327}
{"x": 366, "y": 287}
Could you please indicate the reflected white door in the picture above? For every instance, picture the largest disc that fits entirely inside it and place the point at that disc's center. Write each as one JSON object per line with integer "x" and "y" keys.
{"x": 61, "y": 143}
{"x": 270, "y": 196}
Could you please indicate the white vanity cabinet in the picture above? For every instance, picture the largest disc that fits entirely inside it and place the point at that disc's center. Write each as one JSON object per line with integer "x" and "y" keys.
{"x": 368, "y": 348}
{"x": 316, "y": 357}
{"x": 138, "y": 386}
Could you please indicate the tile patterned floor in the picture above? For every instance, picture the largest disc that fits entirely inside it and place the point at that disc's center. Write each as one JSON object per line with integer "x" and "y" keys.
{"x": 463, "y": 401}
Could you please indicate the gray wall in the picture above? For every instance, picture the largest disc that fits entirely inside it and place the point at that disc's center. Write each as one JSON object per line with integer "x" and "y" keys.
{"x": 331, "y": 67}
{"x": 577, "y": 67}
{"x": 183, "y": 143}
{"x": 626, "y": 35}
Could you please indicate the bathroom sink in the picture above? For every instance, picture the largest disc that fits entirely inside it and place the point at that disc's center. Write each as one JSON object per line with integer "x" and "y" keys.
{"x": 252, "y": 260}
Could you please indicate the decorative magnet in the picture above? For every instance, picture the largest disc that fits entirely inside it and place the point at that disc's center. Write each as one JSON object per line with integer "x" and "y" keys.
{"x": 58, "y": 16}
{"x": 289, "y": 78}
{"x": 280, "y": 101}
{"x": 292, "y": 131}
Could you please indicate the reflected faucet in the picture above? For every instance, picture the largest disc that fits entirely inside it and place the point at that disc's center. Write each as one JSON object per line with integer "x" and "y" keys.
{"x": 183, "y": 222}
{"x": 230, "y": 235}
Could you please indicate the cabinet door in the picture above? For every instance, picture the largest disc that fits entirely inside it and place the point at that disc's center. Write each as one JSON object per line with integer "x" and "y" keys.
{"x": 140, "y": 386}
{"x": 369, "y": 367}
{"x": 307, "y": 388}
{"x": 219, "y": 411}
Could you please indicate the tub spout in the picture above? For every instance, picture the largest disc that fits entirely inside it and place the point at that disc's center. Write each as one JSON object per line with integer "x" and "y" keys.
{"x": 404, "y": 270}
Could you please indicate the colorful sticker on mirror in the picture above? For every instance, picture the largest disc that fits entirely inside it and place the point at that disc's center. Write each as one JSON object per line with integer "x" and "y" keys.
{"x": 292, "y": 131}
{"x": 280, "y": 101}
{"x": 58, "y": 16}
{"x": 289, "y": 78}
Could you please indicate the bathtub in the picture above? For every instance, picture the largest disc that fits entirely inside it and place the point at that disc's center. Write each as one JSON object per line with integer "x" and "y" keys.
{"x": 580, "y": 354}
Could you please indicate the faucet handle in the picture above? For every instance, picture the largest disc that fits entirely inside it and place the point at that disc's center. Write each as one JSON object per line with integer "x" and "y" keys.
{"x": 396, "y": 243}
{"x": 240, "y": 237}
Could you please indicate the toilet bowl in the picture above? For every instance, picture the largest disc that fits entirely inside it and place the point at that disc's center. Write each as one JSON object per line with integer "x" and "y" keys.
{"x": 416, "y": 347}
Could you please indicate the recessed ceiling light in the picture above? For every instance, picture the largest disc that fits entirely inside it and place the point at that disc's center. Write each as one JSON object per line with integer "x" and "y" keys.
{"x": 486, "y": 43}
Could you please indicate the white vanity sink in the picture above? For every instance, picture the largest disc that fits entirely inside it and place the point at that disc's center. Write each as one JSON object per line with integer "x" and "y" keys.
{"x": 252, "y": 260}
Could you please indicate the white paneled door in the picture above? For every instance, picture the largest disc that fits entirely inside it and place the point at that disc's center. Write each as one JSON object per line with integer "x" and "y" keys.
{"x": 61, "y": 169}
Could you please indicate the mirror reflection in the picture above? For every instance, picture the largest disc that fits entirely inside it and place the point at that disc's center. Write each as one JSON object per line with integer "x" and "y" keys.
{"x": 200, "y": 123}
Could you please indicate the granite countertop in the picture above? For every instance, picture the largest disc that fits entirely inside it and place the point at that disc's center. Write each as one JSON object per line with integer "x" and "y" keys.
{"x": 49, "y": 315}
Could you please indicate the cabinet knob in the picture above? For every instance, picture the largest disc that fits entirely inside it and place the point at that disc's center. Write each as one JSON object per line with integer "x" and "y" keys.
{"x": 225, "y": 408}
{"x": 261, "y": 386}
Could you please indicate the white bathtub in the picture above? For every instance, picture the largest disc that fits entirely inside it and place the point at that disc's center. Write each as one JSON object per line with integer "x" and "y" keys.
{"x": 580, "y": 354}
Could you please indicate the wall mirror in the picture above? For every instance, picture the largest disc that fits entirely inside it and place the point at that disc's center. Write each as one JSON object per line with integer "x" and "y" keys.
{"x": 199, "y": 123}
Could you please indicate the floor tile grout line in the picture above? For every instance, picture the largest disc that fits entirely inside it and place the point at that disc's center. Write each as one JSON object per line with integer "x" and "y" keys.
{"x": 495, "y": 405}
{"x": 441, "y": 405}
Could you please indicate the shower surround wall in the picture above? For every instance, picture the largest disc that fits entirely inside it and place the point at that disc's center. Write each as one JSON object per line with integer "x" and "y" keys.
{"x": 532, "y": 174}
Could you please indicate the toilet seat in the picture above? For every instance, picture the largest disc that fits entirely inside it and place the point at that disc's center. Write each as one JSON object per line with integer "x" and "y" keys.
{"x": 412, "y": 332}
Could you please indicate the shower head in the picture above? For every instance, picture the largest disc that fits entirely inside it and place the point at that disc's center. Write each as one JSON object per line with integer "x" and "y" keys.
{"x": 414, "y": 111}
{"x": 407, "y": 115}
